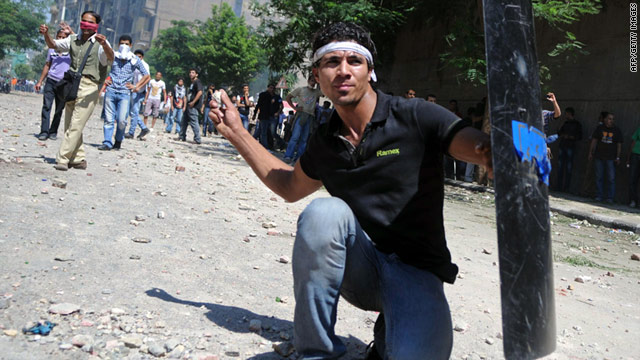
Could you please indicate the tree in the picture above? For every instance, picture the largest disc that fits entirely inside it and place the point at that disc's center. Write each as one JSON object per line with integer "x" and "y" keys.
{"x": 228, "y": 52}
{"x": 465, "y": 40}
{"x": 288, "y": 26}
{"x": 23, "y": 71}
{"x": 38, "y": 61}
{"x": 172, "y": 51}
{"x": 19, "y": 21}
{"x": 223, "y": 48}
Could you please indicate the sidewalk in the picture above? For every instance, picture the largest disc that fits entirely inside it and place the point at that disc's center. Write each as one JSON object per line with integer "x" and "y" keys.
{"x": 614, "y": 216}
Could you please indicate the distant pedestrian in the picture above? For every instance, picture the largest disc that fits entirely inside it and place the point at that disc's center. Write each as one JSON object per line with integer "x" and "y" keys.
{"x": 193, "y": 108}
{"x": 570, "y": 133}
{"x": 606, "y": 145}
{"x": 268, "y": 109}
{"x": 633, "y": 163}
{"x": 78, "y": 111}
{"x": 307, "y": 98}
{"x": 410, "y": 94}
{"x": 244, "y": 102}
{"x": 54, "y": 68}
{"x": 178, "y": 106}
{"x": 137, "y": 98}
{"x": 431, "y": 98}
{"x": 156, "y": 91}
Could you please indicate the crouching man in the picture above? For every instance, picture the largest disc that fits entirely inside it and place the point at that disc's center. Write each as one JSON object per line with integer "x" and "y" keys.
{"x": 379, "y": 239}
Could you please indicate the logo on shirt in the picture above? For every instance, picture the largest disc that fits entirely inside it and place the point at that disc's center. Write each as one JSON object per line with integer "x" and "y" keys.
{"x": 607, "y": 137}
{"x": 381, "y": 153}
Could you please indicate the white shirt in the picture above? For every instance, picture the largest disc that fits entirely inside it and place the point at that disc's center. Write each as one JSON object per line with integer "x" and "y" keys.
{"x": 64, "y": 45}
{"x": 156, "y": 88}
{"x": 137, "y": 75}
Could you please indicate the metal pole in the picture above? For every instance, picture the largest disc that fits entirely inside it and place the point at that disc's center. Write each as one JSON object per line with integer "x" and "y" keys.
{"x": 64, "y": 9}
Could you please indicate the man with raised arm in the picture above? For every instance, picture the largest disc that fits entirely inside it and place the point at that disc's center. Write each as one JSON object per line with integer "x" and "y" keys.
{"x": 379, "y": 239}
{"x": 78, "y": 111}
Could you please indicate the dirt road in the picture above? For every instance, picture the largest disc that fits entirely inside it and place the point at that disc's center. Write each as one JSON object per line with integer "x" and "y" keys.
{"x": 171, "y": 249}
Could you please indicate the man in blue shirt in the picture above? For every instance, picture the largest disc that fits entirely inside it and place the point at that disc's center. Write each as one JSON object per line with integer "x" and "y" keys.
{"x": 118, "y": 95}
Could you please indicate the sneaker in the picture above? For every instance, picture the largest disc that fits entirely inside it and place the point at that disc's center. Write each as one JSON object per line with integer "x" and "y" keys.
{"x": 53, "y": 137}
{"x": 61, "y": 167}
{"x": 143, "y": 133}
{"x": 104, "y": 147}
{"x": 198, "y": 142}
{"x": 116, "y": 145}
{"x": 128, "y": 136}
{"x": 180, "y": 139}
{"x": 43, "y": 136}
{"x": 82, "y": 165}
{"x": 632, "y": 204}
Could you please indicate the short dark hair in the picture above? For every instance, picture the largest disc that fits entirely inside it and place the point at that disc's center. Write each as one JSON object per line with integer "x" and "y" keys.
{"x": 194, "y": 69}
{"x": 139, "y": 52}
{"x": 453, "y": 101}
{"x": 94, "y": 14}
{"x": 180, "y": 78}
{"x": 344, "y": 31}
{"x": 125, "y": 38}
{"x": 60, "y": 31}
{"x": 431, "y": 95}
{"x": 570, "y": 110}
{"x": 271, "y": 84}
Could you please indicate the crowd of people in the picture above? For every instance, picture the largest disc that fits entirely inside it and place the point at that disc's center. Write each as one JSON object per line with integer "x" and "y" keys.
{"x": 131, "y": 97}
{"x": 378, "y": 240}
{"x": 604, "y": 154}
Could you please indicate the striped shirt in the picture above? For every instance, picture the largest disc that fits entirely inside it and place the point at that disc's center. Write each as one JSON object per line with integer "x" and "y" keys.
{"x": 122, "y": 73}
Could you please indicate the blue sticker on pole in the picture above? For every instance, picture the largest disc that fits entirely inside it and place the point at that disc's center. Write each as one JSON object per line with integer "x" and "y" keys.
{"x": 530, "y": 144}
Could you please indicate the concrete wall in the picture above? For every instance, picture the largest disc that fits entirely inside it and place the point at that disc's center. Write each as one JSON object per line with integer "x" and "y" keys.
{"x": 595, "y": 82}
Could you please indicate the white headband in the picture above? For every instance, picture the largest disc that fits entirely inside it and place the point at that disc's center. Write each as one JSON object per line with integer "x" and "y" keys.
{"x": 346, "y": 46}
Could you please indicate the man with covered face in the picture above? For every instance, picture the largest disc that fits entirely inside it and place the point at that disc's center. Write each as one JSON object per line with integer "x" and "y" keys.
{"x": 118, "y": 96}
{"x": 78, "y": 111}
{"x": 379, "y": 240}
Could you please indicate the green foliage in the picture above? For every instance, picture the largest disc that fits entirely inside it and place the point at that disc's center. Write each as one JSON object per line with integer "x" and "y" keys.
{"x": 172, "y": 51}
{"x": 38, "y": 61}
{"x": 19, "y": 21}
{"x": 229, "y": 52}
{"x": 23, "y": 71}
{"x": 223, "y": 48}
{"x": 288, "y": 26}
{"x": 465, "y": 40}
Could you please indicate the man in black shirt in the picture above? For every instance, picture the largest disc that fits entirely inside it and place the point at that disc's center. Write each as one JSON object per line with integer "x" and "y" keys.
{"x": 379, "y": 240}
{"x": 193, "y": 108}
{"x": 606, "y": 146}
{"x": 268, "y": 109}
{"x": 569, "y": 133}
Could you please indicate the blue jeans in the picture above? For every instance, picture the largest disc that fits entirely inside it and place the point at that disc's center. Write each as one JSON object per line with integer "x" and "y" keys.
{"x": 299, "y": 136}
{"x": 207, "y": 122}
{"x": 174, "y": 116}
{"x": 333, "y": 256}
{"x": 635, "y": 177}
{"x": 268, "y": 132}
{"x": 190, "y": 118}
{"x": 245, "y": 121}
{"x": 136, "y": 101}
{"x": 116, "y": 108}
{"x": 565, "y": 164}
{"x": 609, "y": 167}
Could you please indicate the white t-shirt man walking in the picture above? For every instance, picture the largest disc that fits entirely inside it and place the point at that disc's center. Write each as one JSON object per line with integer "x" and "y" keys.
{"x": 156, "y": 91}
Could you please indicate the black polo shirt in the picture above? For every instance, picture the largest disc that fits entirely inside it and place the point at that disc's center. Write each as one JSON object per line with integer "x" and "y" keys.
{"x": 393, "y": 180}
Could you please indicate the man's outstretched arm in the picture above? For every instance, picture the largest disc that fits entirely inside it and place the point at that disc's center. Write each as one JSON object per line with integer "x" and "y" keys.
{"x": 291, "y": 184}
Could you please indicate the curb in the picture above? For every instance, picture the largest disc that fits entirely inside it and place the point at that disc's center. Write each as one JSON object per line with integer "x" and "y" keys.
{"x": 595, "y": 219}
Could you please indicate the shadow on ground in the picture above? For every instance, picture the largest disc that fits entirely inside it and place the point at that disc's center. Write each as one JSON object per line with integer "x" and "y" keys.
{"x": 236, "y": 319}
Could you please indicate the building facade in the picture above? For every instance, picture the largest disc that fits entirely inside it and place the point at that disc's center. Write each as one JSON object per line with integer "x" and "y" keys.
{"x": 142, "y": 19}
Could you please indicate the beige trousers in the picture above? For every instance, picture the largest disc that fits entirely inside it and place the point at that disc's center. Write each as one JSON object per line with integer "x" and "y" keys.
{"x": 76, "y": 114}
